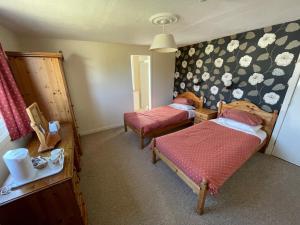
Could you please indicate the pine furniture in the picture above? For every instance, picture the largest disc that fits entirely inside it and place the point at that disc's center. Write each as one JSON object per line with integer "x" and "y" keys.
{"x": 203, "y": 114}
{"x": 40, "y": 78}
{"x": 201, "y": 189}
{"x": 52, "y": 200}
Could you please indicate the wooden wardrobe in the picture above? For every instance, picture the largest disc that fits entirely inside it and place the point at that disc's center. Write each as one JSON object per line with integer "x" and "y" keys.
{"x": 40, "y": 77}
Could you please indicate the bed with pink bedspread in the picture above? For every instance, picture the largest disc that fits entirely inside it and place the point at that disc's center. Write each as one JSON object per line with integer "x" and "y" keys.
{"x": 165, "y": 119}
{"x": 207, "y": 154}
{"x": 157, "y": 121}
{"x": 208, "y": 151}
{"x": 159, "y": 117}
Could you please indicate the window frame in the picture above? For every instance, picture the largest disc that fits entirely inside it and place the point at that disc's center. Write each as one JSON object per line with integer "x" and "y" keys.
{"x": 4, "y": 135}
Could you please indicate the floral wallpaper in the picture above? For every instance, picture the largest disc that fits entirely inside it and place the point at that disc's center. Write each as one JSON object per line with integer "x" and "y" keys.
{"x": 254, "y": 66}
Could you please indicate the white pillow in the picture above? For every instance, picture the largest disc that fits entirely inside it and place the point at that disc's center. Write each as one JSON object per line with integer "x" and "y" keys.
{"x": 182, "y": 106}
{"x": 239, "y": 125}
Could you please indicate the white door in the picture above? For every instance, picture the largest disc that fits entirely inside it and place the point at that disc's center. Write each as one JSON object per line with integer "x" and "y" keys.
{"x": 287, "y": 145}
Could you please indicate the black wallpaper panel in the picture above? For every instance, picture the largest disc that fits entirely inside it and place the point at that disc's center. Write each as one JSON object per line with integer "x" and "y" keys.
{"x": 256, "y": 65}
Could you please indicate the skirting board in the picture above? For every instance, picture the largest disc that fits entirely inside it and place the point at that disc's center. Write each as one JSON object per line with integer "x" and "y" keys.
{"x": 95, "y": 130}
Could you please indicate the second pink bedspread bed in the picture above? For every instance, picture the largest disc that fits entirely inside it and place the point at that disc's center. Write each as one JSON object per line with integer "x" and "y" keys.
{"x": 159, "y": 117}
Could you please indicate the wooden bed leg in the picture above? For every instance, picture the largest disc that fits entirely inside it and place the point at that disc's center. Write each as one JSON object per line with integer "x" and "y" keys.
{"x": 202, "y": 197}
{"x": 154, "y": 159}
{"x": 125, "y": 126}
{"x": 142, "y": 142}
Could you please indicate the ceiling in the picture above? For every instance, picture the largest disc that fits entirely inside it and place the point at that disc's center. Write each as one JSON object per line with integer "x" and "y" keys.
{"x": 126, "y": 21}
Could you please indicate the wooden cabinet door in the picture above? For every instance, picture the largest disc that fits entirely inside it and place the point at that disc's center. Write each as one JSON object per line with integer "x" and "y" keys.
{"x": 40, "y": 79}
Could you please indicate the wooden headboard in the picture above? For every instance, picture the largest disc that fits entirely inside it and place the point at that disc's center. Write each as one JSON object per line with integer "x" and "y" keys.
{"x": 269, "y": 119}
{"x": 198, "y": 101}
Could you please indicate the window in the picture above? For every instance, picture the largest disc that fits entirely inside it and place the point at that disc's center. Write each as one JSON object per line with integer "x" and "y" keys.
{"x": 3, "y": 130}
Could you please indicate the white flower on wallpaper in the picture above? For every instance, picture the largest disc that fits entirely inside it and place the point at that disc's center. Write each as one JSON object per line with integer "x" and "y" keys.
{"x": 245, "y": 61}
{"x": 178, "y": 53}
{"x": 184, "y": 64}
{"x": 214, "y": 90}
{"x": 256, "y": 78}
{"x": 192, "y": 52}
{"x": 175, "y": 93}
{"x": 271, "y": 98}
{"x": 218, "y": 62}
{"x": 189, "y": 75}
{"x": 195, "y": 80}
{"x": 209, "y": 48}
{"x": 284, "y": 59}
{"x": 237, "y": 93}
{"x": 227, "y": 79}
{"x": 196, "y": 88}
{"x": 199, "y": 63}
{"x": 266, "y": 40}
{"x": 233, "y": 44}
{"x": 176, "y": 75}
{"x": 182, "y": 85}
{"x": 205, "y": 76}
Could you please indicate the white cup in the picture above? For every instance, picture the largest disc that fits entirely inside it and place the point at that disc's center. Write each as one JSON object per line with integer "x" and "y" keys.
{"x": 56, "y": 155}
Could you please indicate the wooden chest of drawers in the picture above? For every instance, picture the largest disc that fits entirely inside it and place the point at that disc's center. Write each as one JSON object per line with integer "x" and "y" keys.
{"x": 54, "y": 200}
{"x": 203, "y": 114}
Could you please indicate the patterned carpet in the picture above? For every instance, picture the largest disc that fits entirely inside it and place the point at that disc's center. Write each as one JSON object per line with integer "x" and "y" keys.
{"x": 121, "y": 186}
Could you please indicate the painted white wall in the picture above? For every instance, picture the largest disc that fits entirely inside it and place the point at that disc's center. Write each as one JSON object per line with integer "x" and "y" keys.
{"x": 162, "y": 68}
{"x": 99, "y": 78}
{"x": 8, "y": 39}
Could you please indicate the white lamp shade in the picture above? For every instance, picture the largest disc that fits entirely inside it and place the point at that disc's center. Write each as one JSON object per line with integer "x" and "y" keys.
{"x": 163, "y": 43}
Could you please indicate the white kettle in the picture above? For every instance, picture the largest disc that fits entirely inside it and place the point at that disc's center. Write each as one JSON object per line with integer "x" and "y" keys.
{"x": 19, "y": 164}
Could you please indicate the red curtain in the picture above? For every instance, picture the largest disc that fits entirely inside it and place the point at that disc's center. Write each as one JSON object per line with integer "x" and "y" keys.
{"x": 12, "y": 105}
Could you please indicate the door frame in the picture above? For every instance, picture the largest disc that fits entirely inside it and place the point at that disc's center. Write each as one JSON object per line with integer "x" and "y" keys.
{"x": 150, "y": 82}
{"x": 149, "y": 73}
{"x": 285, "y": 105}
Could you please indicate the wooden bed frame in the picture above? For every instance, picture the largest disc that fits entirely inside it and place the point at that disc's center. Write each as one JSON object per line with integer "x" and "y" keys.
{"x": 201, "y": 189}
{"x": 198, "y": 103}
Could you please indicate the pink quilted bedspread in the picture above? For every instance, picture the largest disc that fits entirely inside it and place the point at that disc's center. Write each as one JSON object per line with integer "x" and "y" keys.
{"x": 208, "y": 151}
{"x": 159, "y": 117}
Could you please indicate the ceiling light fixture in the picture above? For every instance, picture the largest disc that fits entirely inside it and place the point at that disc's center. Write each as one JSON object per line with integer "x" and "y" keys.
{"x": 163, "y": 43}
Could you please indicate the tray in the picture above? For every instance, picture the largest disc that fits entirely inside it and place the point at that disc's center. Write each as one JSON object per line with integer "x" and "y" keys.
{"x": 49, "y": 170}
